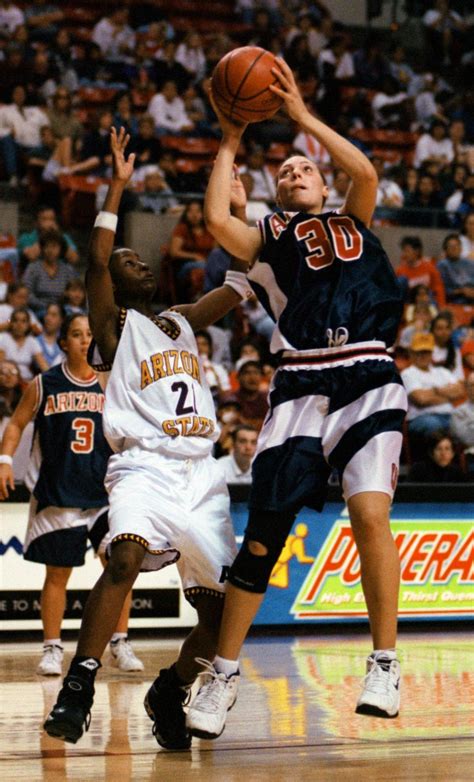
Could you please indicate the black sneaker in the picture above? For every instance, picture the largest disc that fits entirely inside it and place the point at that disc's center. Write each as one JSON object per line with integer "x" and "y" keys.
{"x": 71, "y": 712}
{"x": 164, "y": 705}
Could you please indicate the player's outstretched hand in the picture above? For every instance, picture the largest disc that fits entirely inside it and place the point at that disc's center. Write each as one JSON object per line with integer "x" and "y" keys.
{"x": 228, "y": 127}
{"x": 288, "y": 90}
{"x": 122, "y": 167}
{"x": 7, "y": 481}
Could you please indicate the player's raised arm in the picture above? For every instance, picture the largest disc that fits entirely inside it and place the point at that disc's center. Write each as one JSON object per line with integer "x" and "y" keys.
{"x": 233, "y": 234}
{"x": 103, "y": 311}
{"x": 23, "y": 414}
{"x": 362, "y": 193}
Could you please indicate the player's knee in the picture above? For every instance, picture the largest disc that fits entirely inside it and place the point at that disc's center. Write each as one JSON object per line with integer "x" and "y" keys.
{"x": 124, "y": 563}
{"x": 253, "y": 566}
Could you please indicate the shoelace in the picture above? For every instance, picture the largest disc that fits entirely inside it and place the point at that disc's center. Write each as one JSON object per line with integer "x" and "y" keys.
{"x": 210, "y": 701}
{"x": 377, "y": 678}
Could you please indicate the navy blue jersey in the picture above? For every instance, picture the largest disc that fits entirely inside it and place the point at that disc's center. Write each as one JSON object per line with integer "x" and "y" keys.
{"x": 326, "y": 281}
{"x": 69, "y": 443}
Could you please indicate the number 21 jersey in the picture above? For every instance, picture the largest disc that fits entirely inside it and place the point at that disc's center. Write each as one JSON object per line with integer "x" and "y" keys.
{"x": 156, "y": 396}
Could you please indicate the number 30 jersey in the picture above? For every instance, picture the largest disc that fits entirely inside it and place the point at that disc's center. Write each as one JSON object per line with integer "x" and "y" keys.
{"x": 326, "y": 281}
{"x": 70, "y": 453}
{"x": 156, "y": 396}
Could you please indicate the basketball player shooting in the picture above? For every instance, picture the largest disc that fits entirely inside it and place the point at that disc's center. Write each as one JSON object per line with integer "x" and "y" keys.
{"x": 168, "y": 500}
{"x": 336, "y": 400}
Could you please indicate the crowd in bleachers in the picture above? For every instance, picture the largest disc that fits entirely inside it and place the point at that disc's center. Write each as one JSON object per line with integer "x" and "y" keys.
{"x": 70, "y": 71}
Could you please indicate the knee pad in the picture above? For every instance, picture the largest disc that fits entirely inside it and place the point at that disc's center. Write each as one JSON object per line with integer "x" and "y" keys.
{"x": 251, "y": 572}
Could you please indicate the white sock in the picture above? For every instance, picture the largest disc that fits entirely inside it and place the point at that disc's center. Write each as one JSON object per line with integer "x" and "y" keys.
{"x": 388, "y": 654}
{"x": 117, "y": 636}
{"x": 52, "y": 642}
{"x": 225, "y": 666}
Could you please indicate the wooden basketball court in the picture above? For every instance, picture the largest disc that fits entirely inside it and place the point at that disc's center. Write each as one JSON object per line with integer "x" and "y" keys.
{"x": 294, "y": 719}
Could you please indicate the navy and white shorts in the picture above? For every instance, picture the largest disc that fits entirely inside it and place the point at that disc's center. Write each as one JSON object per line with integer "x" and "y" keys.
{"x": 334, "y": 408}
{"x": 61, "y": 536}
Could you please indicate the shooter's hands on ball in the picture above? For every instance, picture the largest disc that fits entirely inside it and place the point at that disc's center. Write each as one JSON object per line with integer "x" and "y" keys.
{"x": 122, "y": 168}
{"x": 288, "y": 90}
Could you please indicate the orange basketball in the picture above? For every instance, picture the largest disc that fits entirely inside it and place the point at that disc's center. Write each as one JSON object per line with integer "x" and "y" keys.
{"x": 240, "y": 85}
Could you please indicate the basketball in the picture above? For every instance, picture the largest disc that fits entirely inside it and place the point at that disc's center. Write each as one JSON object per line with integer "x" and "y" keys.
{"x": 240, "y": 85}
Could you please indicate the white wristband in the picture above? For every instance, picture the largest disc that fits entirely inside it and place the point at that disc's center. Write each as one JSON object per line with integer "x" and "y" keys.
{"x": 106, "y": 220}
{"x": 6, "y": 459}
{"x": 238, "y": 282}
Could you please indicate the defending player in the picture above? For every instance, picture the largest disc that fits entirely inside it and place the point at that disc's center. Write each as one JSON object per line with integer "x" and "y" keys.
{"x": 66, "y": 477}
{"x": 336, "y": 400}
{"x": 168, "y": 498}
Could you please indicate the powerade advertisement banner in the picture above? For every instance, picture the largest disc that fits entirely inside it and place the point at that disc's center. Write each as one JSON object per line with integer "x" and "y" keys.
{"x": 317, "y": 577}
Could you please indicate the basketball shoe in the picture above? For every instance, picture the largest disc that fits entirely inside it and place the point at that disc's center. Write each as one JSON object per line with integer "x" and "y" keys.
{"x": 217, "y": 694}
{"x": 380, "y": 696}
{"x": 52, "y": 661}
{"x": 123, "y": 656}
{"x": 71, "y": 712}
{"x": 164, "y": 703}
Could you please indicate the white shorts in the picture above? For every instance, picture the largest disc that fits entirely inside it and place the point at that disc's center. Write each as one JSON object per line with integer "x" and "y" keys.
{"x": 179, "y": 510}
{"x": 60, "y": 536}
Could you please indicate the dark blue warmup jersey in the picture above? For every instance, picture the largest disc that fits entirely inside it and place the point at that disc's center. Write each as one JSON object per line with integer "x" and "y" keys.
{"x": 73, "y": 450}
{"x": 326, "y": 281}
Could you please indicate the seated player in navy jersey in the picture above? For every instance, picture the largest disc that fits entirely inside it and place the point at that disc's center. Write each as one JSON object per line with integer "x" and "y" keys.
{"x": 336, "y": 400}
{"x": 68, "y": 506}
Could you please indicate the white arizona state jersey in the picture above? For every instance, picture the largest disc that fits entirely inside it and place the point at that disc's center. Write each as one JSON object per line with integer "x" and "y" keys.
{"x": 156, "y": 396}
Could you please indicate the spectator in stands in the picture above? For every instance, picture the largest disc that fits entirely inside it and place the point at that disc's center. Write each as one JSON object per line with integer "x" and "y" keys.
{"x": 463, "y": 152}
{"x": 417, "y": 270}
{"x": 301, "y": 61}
{"x": 74, "y": 300}
{"x": 237, "y": 466}
{"x": 42, "y": 19}
{"x": 253, "y": 402}
{"x": 114, "y": 36}
{"x": 190, "y": 54}
{"x": 307, "y": 145}
{"x": 146, "y": 146}
{"x": 399, "y": 67}
{"x": 17, "y": 296}
{"x": 167, "y": 68}
{"x": 452, "y": 180}
{"x": 388, "y": 192}
{"x": 10, "y": 17}
{"x": 42, "y": 77}
{"x": 190, "y": 245}
{"x": 61, "y": 52}
{"x": 61, "y": 117}
{"x": 462, "y": 423}
{"x": 445, "y": 352}
{"x": 17, "y": 344}
{"x": 215, "y": 374}
{"x": 419, "y": 323}
{"x": 10, "y": 385}
{"x": 392, "y": 108}
{"x": 46, "y": 279}
{"x": 307, "y": 26}
{"x": 46, "y": 221}
{"x": 197, "y": 112}
{"x": 423, "y": 201}
{"x": 263, "y": 180}
{"x": 157, "y": 196}
{"x": 444, "y": 33}
{"x": 467, "y": 354}
{"x": 431, "y": 390}
{"x": 460, "y": 197}
{"x": 437, "y": 466}
{"x": 19, "y": 132}
{"x": 168, "y": 111}
{"x": 336, "y": 69}
{"x": 337, "y": 191}
{"x": 409, "y": 182}
{"x": 14, "y": 70}
{"x": 228, "y": 415}
{"x": 256, "y": 208}
{"x": 47, "y": 341}
{"x": 88, "y": 63}
{"x": 457, "y": 272}
{"x": 419, "y": 295}
{"x": 467, "y": 237}
{"x": 370, "y": 63}
{"x": 434, "y": 145}
{"x": 427, "y": 107}
{"x": 178, "y": 181}
{"x": 95, "y": 151}
{"x": 124, "y": 116}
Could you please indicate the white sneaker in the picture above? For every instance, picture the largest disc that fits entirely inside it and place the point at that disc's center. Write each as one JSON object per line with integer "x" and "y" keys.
{"x": 216, "y": 696}
{"x": 52, "y": 661}
{"x": 123, "y": 656}
{"x": 380, "y": 695}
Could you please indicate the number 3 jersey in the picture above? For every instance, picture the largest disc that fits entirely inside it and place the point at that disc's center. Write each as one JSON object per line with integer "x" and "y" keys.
{"x": 326, "y": 281}
{"x": 70, "y": 453}
{"x": 156, "y": 396}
